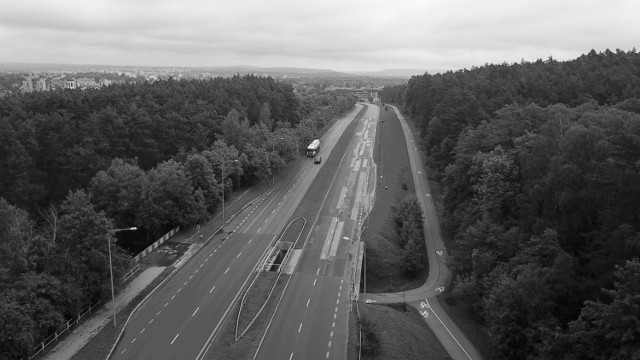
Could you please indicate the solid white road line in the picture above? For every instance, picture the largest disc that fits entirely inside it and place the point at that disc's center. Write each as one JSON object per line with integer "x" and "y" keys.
{"x": 446, "y": 328}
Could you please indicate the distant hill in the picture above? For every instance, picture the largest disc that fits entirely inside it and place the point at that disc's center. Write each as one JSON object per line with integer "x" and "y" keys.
{"x": 276, "y": 72}
{"x": 402, "y": 73}
{"x": 239, "y": 69}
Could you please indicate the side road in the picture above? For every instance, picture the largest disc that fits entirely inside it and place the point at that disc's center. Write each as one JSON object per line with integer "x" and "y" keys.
{"x": 424, "y": 297}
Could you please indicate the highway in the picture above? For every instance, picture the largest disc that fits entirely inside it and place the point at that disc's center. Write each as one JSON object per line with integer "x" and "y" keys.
{"x": 311, "y": 320}
{"x": 181, "y": 317}
{"x": 424, "y": 298}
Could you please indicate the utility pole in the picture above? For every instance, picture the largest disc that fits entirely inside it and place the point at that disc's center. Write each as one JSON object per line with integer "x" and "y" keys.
{"x": 224, "y": 183}
{"x": 113, "y": 297}
{"x": 273, "y": 152}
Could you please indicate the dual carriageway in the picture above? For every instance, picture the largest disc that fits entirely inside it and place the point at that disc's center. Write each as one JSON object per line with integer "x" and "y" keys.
{"x": 184, "y": 315}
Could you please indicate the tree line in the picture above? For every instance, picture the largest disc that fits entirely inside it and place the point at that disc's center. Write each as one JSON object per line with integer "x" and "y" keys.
{"x": 75, "y": 165}
{"x": 540, "y": 166}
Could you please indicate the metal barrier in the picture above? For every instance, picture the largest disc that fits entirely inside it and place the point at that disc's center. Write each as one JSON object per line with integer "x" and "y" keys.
{"x": 153, "y": 246}
{"x": 64, "y": 328}
{"x": 130, "y": 273}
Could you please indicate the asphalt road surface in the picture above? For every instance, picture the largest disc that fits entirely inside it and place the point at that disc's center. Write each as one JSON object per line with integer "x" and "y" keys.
{"x": 181, "y": 317}
{"x": 424, "y": 297}
{"x": 311, "y": 320}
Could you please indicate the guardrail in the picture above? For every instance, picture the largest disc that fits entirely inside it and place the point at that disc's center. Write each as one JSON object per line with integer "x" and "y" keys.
{"x": 130, "y": 273}
{"x": 64, "y": 328}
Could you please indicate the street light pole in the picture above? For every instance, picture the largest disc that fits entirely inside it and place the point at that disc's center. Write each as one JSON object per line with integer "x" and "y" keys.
{"x": 223, "y": 186}
{"x": 224, "y": 182}
{"x": 273, "y": 152}
{"x": 113, "y": 296}
{"x": 364, "y": 255}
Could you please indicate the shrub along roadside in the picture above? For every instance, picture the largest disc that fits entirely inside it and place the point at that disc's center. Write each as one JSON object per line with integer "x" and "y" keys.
{"x": 409, "y": 218}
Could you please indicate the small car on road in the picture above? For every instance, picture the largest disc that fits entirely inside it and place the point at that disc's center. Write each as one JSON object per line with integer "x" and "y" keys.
{"x": 317, "y": 159}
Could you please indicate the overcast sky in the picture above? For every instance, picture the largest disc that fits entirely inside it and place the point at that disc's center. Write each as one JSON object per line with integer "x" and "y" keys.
{"x": 343, "y": 35}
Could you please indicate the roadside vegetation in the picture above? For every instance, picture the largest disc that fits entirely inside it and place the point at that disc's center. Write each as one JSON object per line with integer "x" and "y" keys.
{"x": 409, "y": 217}
{"x": 394, "y": 244}
{"x": 77, "y": 164}
{"x": 540, "y": 174}
{"x": 392, "y": 332}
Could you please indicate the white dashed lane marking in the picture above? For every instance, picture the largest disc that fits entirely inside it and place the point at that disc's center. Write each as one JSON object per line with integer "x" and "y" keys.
{"x": 174, "y": 339}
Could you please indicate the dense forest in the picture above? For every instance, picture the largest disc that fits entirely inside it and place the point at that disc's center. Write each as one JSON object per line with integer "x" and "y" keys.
{"x": 540, "y": 166}
{"x": 75, "y": 165}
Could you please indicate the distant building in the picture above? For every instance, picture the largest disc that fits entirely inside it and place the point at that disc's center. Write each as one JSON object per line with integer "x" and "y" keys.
{"x": 361, "y": 94}
{"x": 86, "y": 83}
{"x": 41, "y": 84}
{"x": 71, "y": 84}
{"x": 58, "y": 84}
{"x": 105, "y": 82}
{"x": 27, "y": 85}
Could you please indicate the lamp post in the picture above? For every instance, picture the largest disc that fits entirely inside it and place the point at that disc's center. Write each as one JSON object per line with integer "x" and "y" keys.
{"x": 222, "y": 165}
{"x": 273, "y": 151}
{"x": 113, "y": 296}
